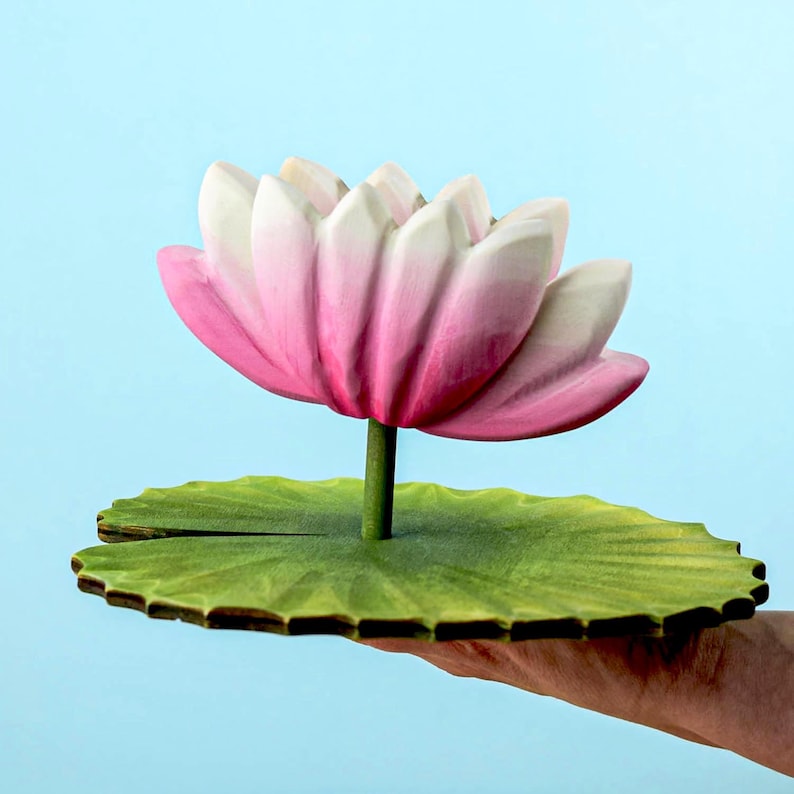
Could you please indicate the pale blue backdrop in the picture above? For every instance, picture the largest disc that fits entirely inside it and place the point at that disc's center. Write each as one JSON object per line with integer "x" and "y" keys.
{"x": 667, "y": 125}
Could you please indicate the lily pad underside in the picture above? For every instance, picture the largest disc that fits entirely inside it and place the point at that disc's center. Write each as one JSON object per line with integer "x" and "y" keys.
{"x": 271, "y": 554}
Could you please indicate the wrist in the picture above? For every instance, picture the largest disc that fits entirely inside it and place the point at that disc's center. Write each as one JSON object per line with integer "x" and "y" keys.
{"x": 737, "y": 691}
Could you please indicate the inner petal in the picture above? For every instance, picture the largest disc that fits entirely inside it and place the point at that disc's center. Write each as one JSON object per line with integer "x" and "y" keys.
{"x": 417, "y": 266}
{"x": 350, "y": 248}
{"x": 226, "y": 201}
{"x": 480, "y": 319}
{"x": 321, "y": 186}
{"x": 553, "y": 210}
{"x": 398, "y": 190}
{"x": 469, "y": 194}
{"x": 284, "y": 249}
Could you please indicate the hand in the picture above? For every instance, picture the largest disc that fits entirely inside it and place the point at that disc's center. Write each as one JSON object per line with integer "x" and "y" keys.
{"x": 730, "y": 687}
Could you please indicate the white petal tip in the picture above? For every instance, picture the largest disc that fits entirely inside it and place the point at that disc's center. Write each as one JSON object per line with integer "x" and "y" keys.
{"x": 388, "y": 171}
{"x": 321, "y": 186}
{"x": 224, "y": 211}
{"x": 363, "y": 204}
{"x": 223, "y": 176}
{"x": 278, "y": 192}
{"x": 398, "y": 190}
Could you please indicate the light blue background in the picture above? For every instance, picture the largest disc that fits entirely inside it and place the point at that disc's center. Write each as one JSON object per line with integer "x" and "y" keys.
{"x": 667, "y": 125}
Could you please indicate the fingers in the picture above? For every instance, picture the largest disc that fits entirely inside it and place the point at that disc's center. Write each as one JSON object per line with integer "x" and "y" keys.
{"x": 466, "y": 659}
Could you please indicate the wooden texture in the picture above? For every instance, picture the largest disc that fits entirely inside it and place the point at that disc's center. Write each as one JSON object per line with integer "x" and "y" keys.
{"x": 278, "y": 555}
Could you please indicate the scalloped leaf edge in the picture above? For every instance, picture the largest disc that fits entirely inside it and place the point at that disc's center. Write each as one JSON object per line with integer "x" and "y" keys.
{"x": 345, "y": 626}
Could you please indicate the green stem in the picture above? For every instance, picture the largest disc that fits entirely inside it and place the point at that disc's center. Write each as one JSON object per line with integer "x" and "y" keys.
{"x": 379, "y": 481}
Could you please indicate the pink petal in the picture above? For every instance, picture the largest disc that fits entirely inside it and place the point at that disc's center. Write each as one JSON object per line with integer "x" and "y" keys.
{"x": 202, "y": 300}
{"x": 469, "y": 194}
{"x": 578, "y": 398}
{"x": 480, "y": 319}
{"x": 562, "y": 354}
{"x": 420, "y": 261}
{"x": 351, "y": 245}
{"x": 398, "y": 190}
{"x": 322, "y": 187}
{"x": 226, "y": 205}
{"x": 553, "y": 210}
{"x": 284, "y": 250}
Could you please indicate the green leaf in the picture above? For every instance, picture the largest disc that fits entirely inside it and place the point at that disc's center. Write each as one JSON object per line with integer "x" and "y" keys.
{"x": 279, "y": 555}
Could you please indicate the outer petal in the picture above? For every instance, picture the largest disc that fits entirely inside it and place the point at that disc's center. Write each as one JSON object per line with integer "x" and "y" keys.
{"x": 399, "y": 191}
{"x": 417, "y": 268}
{"x": 351, "y": 246}
{"x": 577, "y": 399}
{"x": 198, "y": 298}
{"x": 560, "y": 377}
{"x": 469, "y": 194}
{"x": 482, "y": 317}
{"x": 553, "y": 210}
{"x": 284, "y": 248}
{"x": 322, "y": 187}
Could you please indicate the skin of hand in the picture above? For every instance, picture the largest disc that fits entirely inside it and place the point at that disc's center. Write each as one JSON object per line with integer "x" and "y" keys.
{"x": 730, "y": 687}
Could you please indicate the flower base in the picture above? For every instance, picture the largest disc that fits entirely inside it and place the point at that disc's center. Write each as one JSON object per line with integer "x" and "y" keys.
{"x": 271, "y": 554}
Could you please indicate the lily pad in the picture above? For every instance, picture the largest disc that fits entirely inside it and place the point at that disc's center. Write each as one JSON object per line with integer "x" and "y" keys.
{"x": 279, "y": 555}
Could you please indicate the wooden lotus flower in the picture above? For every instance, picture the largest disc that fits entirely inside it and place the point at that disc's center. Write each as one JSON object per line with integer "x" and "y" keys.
{"x": 410, "y": 314}
{"x": 381, "y": 305}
